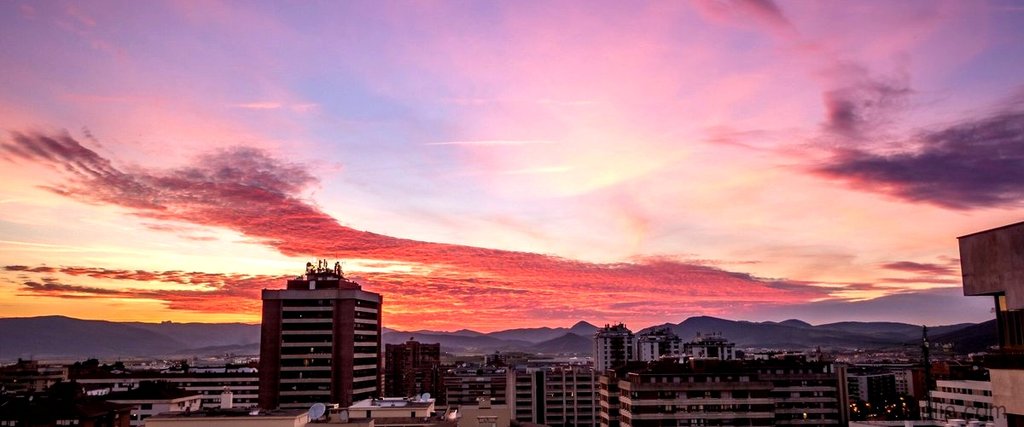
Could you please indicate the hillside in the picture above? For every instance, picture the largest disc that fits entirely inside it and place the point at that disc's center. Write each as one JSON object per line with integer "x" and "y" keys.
{"x": 55, "y": 337}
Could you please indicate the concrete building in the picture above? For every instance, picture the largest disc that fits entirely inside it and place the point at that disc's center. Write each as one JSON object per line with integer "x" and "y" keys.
{"x": 710, "y": 346}
{"x": 992, "y": 263}
{"x": 152, "y": 398}
{"x": 320, "y": 341}
{"x": 392, "y": 408}
{"x": 659, "y": 342}
{"x": 966, "y": 400}
{"x": 909, "y": 377}
{"x": 29, "y": 376}
{"x": 556, "y": 396}
{"x": 483, "y": 414}
{"x": 464, "y": 386}
{"x": 871, "y": 385}
{"x": 704, "y": 392}
{"x": 608, "y": 413}
{"x": 412, "y": 369}
{"x": 614, "y": 345}
{"x": 234, "y": 417}
{"x": 244, "y": 385}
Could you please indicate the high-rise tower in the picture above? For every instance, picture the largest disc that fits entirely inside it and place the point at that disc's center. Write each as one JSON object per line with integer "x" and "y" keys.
{"x": 320, "y": 341}
{"x": 614, "y": 345}
{"x": 412, "y": 368}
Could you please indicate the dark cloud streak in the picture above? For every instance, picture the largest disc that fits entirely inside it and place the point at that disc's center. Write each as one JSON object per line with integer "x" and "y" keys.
{"x": 974, "y": 164}
{"x": 921, "y": 268}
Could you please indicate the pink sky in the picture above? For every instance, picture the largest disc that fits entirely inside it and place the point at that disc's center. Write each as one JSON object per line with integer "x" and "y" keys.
{"x": 489, "y": 165}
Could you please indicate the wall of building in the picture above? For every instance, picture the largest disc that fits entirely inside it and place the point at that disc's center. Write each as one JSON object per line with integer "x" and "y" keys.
{"x": 244, "y": 386}
{"x": 1008, "y": 389}
{"x": 967, "y": 400}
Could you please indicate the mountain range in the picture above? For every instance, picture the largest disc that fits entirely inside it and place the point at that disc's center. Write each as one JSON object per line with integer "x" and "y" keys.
{"x": 59, "y": 337}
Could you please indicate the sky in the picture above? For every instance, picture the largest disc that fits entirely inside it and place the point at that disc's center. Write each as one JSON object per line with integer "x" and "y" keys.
{"x": 490, "y": 165}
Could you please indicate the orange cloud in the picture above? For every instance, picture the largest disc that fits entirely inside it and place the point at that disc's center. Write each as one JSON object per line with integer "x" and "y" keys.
{"x": 246, "y": 190}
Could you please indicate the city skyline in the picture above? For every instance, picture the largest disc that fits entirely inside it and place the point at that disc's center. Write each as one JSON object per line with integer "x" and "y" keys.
{"x": 490, "y": 166}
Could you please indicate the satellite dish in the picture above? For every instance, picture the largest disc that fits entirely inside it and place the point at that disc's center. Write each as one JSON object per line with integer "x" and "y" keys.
{"x": 425, "y": 397}
{"x": 316, "y": 411}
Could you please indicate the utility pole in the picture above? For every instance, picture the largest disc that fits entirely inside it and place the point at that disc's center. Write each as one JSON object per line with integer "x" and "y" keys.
{"x": 927, "y": 370}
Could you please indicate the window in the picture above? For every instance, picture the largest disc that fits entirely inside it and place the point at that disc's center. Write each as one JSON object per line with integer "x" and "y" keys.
{"x": 1010, "y": 325}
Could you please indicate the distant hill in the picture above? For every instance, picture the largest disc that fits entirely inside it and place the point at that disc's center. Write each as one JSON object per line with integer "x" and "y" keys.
{"x": 971, "y": 339}
{"x": 796, "y": 334}
{"x": 59, "y": 337}
{"x": 205, "y": 334}
{"x": 891, "y": 330}
{"x": 796, "y": 323}
{"x": 568, "y": 343}
{"x": 456, "y": 343}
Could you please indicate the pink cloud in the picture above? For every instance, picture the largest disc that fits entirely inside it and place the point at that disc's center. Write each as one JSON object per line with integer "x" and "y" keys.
{"x": 247, "y": 191}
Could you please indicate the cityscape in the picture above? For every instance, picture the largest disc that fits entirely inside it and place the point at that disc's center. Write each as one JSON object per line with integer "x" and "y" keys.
{"x": 511, "y": 214}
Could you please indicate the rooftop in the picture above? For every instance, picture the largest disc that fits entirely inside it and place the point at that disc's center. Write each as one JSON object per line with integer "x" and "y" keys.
{"x": 235, "y": 413}
{"x": 152, "y": 390}
{"x": 392, "y": 402}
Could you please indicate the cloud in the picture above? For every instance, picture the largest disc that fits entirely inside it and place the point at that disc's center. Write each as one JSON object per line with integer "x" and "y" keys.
{"x": 921, "y": 268}
{"x": 196, "y": 291}
{"x": 863, "y": 102}
{"x": 268, "y": 106}
{"x": 247, "y": 191}
{"x": 969, "y": 165}
{"x": 68, "y": 291}
{"x": 494, "y": 142}
{"x": 765, "y": 13}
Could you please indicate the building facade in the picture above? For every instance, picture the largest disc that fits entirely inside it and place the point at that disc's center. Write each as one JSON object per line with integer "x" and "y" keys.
{"x": 320, "y": 341}
{"x": 714, "y": 392}
{"x": 657, "y": 343}
{"x": 966, "y": 400}
{"x": 465, "y": 386}
{"x": 871, "y": 386}
{"x": 209, "y": 385}
{"x": 614, "y": 345}
{"x": 556, "y": 396}
{"x": 29, "y": 376}
{"x": 412, "y": 368}
{"x": 152, "y": 398}
{"x": 992, "y": 263}
{"x": 710, "y": 346}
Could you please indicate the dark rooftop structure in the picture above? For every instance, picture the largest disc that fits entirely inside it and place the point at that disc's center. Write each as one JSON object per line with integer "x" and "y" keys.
{"x": 152, "y": 390}
{"x": 63, "y": 404}
{"x": 234, "y": 412}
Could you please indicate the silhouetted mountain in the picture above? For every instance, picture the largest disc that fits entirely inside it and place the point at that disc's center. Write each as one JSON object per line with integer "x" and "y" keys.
{"x": 568, "y": 343}
{"x": 970, "y": 339}
{"x": 63, "y": 337}
{"x": 584, "y": 329}
{"x": 59, "y": 336}
{"x": 458, "y": 333}
{"x": 796, "y": 323}
{"x": 797, "y": 334}
{"x": 199, "y": 335}
{"x": 456, "y": 343}
{"x": 891, "y": 330}
{"x": 532, "y": 335}
{"x": 538, "y": 335}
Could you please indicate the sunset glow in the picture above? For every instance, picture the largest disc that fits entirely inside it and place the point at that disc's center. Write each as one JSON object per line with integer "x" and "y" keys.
{"x": 494, "y": 165}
